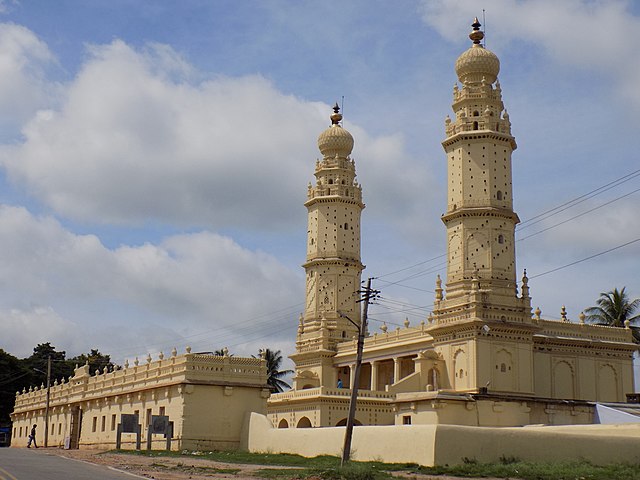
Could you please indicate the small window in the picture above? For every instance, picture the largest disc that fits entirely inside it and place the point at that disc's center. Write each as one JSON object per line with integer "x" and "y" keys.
{"x": 162, "y": 410}
{"x": 476, "y": 113}
{"x": 503, "y": 367}
{"x": 94, "y": 424}
{"x": 113, "y": 422}
{"x": 499, "y": 195}
{"x": 104, "y": 423}
{"x": 346, "y": 226}
{"x": 500, "y": 239}
{"x": 475, "y": 125}
{"x": 406, "y": 419}
{"x": 331, "y": 181}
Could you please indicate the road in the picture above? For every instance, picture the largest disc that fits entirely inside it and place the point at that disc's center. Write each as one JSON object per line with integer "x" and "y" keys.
{"x": 43, "y": 464}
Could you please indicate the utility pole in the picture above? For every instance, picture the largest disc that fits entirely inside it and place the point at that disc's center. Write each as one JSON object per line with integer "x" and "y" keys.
{"x": 368, "y": 295}
{"x": 46, "y": 410}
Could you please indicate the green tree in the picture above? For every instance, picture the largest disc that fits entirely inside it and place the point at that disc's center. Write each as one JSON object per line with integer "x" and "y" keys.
{"x": 37, "y": 364}
{"x": 614, "y": 308}
{"x": 14, "y": 376}
{"x": 275, "y": 375}
{"x": 95, "y": 359}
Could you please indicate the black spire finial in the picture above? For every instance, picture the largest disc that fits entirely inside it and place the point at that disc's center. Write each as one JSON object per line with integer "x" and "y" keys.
{"x": 476, "y": 34}
{"x": 336, "y": 116}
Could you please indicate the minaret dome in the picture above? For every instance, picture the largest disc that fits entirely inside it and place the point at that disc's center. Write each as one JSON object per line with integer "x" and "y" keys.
{"x": 335, "y": 140}
{"x": 477, "y": 63}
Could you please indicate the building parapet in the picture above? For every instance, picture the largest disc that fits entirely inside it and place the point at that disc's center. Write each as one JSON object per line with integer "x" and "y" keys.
{"x": 177, "y": 369}
{"x": 584, "y": 331}
{"x": 405, "y": 334}
{"x": 293, "y": 395}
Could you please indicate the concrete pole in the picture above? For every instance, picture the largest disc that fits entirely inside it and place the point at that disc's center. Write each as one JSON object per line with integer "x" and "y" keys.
{"x": 46, "y": 410}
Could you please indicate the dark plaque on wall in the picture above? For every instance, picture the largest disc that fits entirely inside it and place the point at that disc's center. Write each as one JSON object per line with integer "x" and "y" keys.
{"x": 159, "y": 424}
{"x": 129, "y": 422}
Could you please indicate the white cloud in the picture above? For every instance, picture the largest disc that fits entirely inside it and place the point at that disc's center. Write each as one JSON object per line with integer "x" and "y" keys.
{"x": 595, "y": 36}
{"x": 137, "y": 140}
{"x": 21, "y": 330}
{"x": 198, "y": 288}
{"x": 23, "y": 85}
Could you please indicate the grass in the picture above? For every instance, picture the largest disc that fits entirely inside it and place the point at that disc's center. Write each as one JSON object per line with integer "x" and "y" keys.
{"x": 328, "y": 468}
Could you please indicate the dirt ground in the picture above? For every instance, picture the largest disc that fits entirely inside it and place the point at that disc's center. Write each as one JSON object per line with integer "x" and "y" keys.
{"x": 182, "y": 468}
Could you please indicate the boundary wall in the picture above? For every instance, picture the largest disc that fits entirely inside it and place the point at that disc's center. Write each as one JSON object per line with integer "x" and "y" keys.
{"x": 431, "y": 445}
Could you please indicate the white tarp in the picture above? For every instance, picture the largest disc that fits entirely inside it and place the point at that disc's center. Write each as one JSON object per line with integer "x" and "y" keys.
{"x": 609, "y": 415}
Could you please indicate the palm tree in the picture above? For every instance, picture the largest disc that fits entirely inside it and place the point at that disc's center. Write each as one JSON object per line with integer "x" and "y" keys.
{"x": 614, "y": 308}
{"x": 274, "y": 379}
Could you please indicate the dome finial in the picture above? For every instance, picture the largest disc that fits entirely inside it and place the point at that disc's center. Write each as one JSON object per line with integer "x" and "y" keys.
{"x": 336, "y": 116}
{"x": 476, "y": 34}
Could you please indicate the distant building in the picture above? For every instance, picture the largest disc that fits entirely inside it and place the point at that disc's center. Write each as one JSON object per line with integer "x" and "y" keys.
{"x": 482, "y": 354}
{"x": 206, "y": 398}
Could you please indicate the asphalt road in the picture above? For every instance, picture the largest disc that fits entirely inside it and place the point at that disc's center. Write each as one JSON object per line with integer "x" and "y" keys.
{"x": 42, "y": 464}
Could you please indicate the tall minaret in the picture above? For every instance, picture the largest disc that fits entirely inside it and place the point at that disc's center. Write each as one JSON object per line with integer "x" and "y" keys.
{"x": 480, "y": 220}
{"x": 333, "y": 266}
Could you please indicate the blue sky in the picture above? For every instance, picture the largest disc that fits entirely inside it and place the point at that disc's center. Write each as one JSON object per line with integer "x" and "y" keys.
{"x": 154, "y": 158}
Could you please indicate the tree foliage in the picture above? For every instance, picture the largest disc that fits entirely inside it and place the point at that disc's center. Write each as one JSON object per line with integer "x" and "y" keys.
{"x": 17, "y": 374}
{"x": 275, "y": 376}
{"x": 614, "y": 308}
{"x": 95, "y": 360}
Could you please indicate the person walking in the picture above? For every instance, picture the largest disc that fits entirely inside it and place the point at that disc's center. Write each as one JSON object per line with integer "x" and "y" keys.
{"x": 32, "y": 437}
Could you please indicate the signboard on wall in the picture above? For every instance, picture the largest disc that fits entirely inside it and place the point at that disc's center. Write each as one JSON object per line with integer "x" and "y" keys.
{"x": 129, "y": 422}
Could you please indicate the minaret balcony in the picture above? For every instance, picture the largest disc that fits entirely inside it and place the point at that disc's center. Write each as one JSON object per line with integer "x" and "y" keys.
{"x": 341, "y": 192}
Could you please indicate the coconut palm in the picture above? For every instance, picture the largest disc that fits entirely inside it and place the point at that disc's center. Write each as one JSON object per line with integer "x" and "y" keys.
{"x": 614, "y": 308}
{"x": 273, "y": 360}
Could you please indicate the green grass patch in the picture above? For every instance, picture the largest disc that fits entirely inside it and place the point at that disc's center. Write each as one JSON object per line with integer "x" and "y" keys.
{"x": 512, "y": 468}
{"x": 328, "y": 467}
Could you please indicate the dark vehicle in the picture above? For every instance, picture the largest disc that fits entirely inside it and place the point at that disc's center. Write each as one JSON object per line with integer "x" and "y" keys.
{"x": 5, "y": 436}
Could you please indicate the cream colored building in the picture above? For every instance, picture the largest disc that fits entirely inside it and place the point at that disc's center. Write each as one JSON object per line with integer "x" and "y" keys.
{"x": 206, "y": 397}
{"x": 482, "y": 357}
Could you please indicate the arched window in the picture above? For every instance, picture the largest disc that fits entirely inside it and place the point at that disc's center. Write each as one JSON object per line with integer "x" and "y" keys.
{"x": 503, "y": 367}
{"x": 475, "y": 125}
{"x": 283, "y": 424}
{"x": 346, "y": 226}
{"x": 476, "y": 113}
{"x": 500, "y": 239}
{"x": 331, "y": 181}
{"x": 499, "y": 195}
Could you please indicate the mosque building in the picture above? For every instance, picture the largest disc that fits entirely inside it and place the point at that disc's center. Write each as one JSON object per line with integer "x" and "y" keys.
{"x": 482, "y": 357}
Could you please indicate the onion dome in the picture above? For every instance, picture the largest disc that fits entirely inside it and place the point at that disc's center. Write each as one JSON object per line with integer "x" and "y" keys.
{"x": 477, "y": 63}
{"x": 335, "y": 140}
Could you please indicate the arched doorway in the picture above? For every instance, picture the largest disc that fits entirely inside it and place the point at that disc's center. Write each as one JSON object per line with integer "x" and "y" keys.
{"x": 304, "y": 422}
{"x": 343, "y": 423}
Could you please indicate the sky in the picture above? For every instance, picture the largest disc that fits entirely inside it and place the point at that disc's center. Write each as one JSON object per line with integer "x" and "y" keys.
{"x": 155, "y": 156}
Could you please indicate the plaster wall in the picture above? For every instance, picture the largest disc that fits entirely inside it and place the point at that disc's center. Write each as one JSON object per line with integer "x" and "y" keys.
{"x": 431, "y": 445}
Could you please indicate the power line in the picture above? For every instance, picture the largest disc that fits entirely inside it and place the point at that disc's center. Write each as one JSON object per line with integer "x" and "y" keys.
{"x": 580, "y": 215}
{"x": 575, "y": 201}
{"x": 584, "y": 259}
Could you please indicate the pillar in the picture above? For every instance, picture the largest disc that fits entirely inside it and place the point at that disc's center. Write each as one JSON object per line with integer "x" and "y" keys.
{"x": 374, "y": 375}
